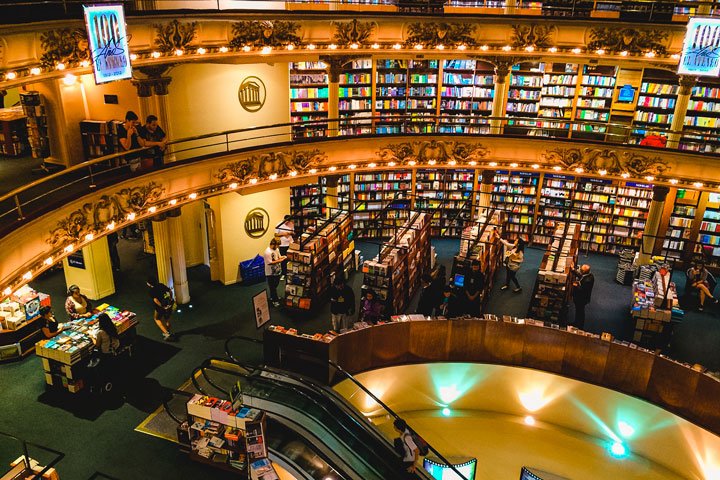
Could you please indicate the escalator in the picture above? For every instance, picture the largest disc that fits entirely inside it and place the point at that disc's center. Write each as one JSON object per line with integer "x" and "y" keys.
{"x": 313, "y": 432}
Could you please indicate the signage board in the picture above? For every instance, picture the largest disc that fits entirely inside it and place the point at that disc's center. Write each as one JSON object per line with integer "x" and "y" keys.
{"x": 701, "y": 48}
{"x": 261, "y": 308}
{"x": 108, "y": 42}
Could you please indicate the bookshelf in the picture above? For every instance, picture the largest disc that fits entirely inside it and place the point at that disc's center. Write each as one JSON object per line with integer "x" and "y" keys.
{"x": 524, "y": 95}
{"x": 450, "y": 192}
{"x": 554, "y": 205}
{"x": 355, "y": 95}
{"x": 656, "y": 103}
{"x": 13, "y": 132}
{"x": 307, "y": 203}
{"x": 390, "y": 93}
{"x": 708, "y": 239}
{"x": 594, "y": 100}
{"x": 630, "y": 212}
{"x": 381, "y": 202}
{"x": 37, "y": 125}
{"x": 422, "y": 95}
{"x": 99, "y": 138}
{"x": 559, "y": 85}
{"x": 515, "y": 193}
{"x": 394, "y": 274}
{"x": 681, "y": 223}
{"x": 344, "y": 192}
{"x": 313, "y": 261}
{"x": 593, "y": 201}
{"x": 467, "y": 90}
{"x": 553, "y": 286}
{"x": 308, "y": 98}
{"x": 702, "y": 117}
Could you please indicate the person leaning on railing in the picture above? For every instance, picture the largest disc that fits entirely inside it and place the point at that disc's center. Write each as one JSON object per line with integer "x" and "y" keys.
{"x": 130, "y": 139}
{"x": 155, "y": 138}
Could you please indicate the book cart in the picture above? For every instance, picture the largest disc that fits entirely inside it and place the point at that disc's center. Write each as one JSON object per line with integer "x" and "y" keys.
{"x": 478, "y": 242}
{"x": 394, "y": 274}
{"x": 65, "y": 356}
{"x": 321, "y": 253}
{"x": 227, "y": 436}
{"x": 553, "y": 285}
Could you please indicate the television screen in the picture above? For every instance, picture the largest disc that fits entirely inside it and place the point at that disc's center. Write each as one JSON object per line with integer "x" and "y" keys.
{"x": 626, "y": 94}
{"x": 459, "y": 280}
{"x": 108, "y": 42}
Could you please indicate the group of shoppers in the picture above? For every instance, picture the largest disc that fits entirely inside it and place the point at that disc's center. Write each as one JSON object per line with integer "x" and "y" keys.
{"x": 133, "y": 135}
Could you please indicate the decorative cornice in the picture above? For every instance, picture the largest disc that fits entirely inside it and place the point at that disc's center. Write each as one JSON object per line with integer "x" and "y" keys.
{"x": 686, "y": 82}
{"x": 64, "y": 45}
{"x": 533, "y": 34}
{"x": 430, "y": 35}
{"x": 335, "y": 65}
{"x": 92, "y": 217}
{"x": 272, "y": 163}
{"x": 174, "y": 35}
{"x": 632, "y": 40}
{"x": 504, "y": 64}
{"x": 424, "y": 151}
{"x": 347, "y": 33}
{"x": 609, "y": 160}
{"x": 257, "y": 33}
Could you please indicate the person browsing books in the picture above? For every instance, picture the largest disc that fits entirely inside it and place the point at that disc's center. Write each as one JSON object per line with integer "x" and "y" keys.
{"x": 49, "y": 326}
{"x": 371, "y": 308}
{"x": 472, "y": 289}
{"x": 342, "y": 304}
{"x": 77, "y": 305}
{"x": 513, "y": 260}
{"x": 285, "y": 233}
{"x": 273, "y": 269}
{"x": 582, "y": 290}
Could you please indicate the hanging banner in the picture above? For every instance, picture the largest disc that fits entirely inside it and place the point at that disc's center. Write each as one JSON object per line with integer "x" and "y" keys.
{"x": 701, "y": 48}
{"x": 108, "y": 42}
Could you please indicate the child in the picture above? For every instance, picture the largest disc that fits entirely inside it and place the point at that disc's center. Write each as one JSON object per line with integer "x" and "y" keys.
{"x": 371, "y": 308}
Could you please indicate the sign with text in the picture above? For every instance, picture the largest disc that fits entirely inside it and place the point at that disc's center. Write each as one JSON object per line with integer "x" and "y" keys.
{"x": 108, "y": 42}
{"x": 261, "y": 308}
{"x": 701, "y": 48}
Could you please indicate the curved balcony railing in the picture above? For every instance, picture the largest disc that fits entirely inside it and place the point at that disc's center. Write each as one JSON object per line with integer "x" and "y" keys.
{"x": 44, "y": 195}
{"x": 24, "y": 11}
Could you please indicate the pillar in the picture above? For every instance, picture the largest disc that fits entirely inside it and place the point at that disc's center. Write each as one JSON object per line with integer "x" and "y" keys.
{"x": 511, "y": 7}
{"x": 687, "y": 82}
{"x": 486, "y": 187}
{"x": 177, "y": 257}
{"x": 650, "y": 234}
{"x": 502, "y": 86}
{"x": 331, "y": 194}
{"x": 334, "y": 68}
{"x": 91, "y": 269}
{"x": 162, "y": 250}
{"x": 144, "y": 92}
{"x": 152, "y": 89}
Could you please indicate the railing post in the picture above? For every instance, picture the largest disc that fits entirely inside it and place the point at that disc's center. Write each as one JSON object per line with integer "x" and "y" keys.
{"x": 227, "y": 142}
{"x": 92, "y": 177}
{"x": 18, "y": 207}
{"x": 26, "y": 455}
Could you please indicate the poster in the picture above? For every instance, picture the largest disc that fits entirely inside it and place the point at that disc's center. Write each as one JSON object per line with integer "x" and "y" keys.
{"x": 108, "y": 42}
{"x": 701, "y": 48}
{"x": 261, "y": 308}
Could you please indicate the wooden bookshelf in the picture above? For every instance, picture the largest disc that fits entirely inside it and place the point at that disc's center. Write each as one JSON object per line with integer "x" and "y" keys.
{"x": 681, "y": 223}
{"x": 13, "y": 132}
{"x": 702, "y": 117}
{"x": 467, "y": 90}
{"x": 422, "y": 95}
{"x": 594, "y": 101}
{"x": 308, "y": 98}
{"x": 553, "y": 206}
{"x": 307, "y": 204}
{"x": 99, "y": 138}
{"x": 447, "y": 195}
{"x": 656, "y": 103}
{"x": 629, "y": 215}
{"x": 37, "y": 124}
{"x": 356, "y": 95}
{"x": 592, "y": 204}
{"x": 515, "y": 193}
{"x": 557, "y": 98}
{"x": 390, "y": 94}
{"x": 524, "y": 96}
{"x": 381, "y": 202}
{"x": 708, "y": 239}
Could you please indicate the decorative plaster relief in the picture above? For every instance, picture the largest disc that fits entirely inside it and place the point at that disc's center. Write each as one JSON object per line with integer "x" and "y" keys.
{"x": 633, "y": 40}
{"x": 422, "y": 151}
{"x": 540, "y": 36}
{"x": 64, "y": 45}
{"x": 276, "y": 33}
{"x": 266, "y": 164}
{"x": 614, "y": 162}
{"x": 174, "y": 35}
{"x": 353, "y": 32}
{"x": 432, "y": 34}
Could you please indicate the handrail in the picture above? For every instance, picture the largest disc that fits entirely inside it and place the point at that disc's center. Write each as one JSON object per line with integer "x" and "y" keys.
{"x": 393, "y": 414}
{"x": 26, "y": 456}
{"x": 238, "y": 337}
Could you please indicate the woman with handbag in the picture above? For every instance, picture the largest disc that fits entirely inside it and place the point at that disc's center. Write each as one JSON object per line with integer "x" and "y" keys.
{"x": 514, "y": 257}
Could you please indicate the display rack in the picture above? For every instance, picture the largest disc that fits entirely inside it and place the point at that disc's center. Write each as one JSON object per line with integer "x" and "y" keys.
{"x": 13, "y": 132}
{"x": 467, "y": 90}
{"x": 594, "y": 101}
{"x": 553, "y": 207}
{"x": 394, "y": 274}
{"x": 315, "y": 258}
{"x": 381, "y": 202}
{"x": 556, "y": 99}
{"x": 592, "y": 204}
{"x": 553, "y": 286}
{"x": 656, "y": 104}
{"x": 526, "y": 81}
{"x": 308, "y": 98}
{"x": 450, "y": 192}
{"x": 307, "y": 203}
{"x": 99, "y": 138}
{"x": 422, "y": 95}
{"x": 703, "y": 117}
{"x": 708, "y": 240}
{"x": 355, "y": 95}
{"x": 515, "y": 193}
{"x": 629, "y": 215}
{"x": 391, "y": 85}
{"x": 37, "y": 124}
{"x": 681, "y": 223}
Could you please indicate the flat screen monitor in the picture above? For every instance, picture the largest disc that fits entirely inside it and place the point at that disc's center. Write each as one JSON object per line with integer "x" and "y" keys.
{"x": 626, "y": 94}
{"x": 459, "y": 280}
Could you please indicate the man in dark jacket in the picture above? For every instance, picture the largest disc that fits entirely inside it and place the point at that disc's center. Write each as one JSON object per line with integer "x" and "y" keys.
{"x": 342, "y": 304}
{"x": 429, "y": 296}
{"x": 582, "y": 290}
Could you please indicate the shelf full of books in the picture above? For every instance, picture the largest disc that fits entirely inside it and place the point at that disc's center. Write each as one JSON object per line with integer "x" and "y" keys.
{"x": 708, "y": 240}
{"x": 356, "y": 96}
{"x": 592, "y": 203}
{"x": 448, "y": 196}
{"x": 308, "y": 98}
{"x": 37, "y": 124}
{"x": 554, "y": 281}
{"x": 467, "y": 91}
{"x": 307, "y": 204}
{"x": 557, "y": 98}
{"x": 703, "y": 119}
{"x": 515, "y": 193}
{"x": 13, "y": 132}
{"x": 526, "y": 83}
{"x": 629, "y": 215}
{"x": 656, "y": 103}
{"x": 381, "y": 202}
{"x": 317, "y": 256}
{"x": 554, "y": 206}
{"x": 594, "y": 101}
{"x": 394, "y": 274}
{"x": 99, "y": 138}
{"x": 680, "y": 225}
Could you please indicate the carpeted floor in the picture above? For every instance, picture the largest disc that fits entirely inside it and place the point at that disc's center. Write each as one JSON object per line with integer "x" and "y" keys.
{"x": 100, "y": 435}
{"x": 17, "y": 171}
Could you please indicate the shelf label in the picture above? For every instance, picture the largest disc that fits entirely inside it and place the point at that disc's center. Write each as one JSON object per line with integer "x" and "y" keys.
{"x": 701, "y": 48}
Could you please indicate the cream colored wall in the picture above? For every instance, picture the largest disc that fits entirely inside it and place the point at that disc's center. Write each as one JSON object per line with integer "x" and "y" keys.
{"x": 12, "y": 97}
{"x": 223, "y": 4}
{"x": 204, "y": 99}
{"x": 97, "y": 109}
{"x": 96, "y": 279}
{"x": 233, "y": 244}
{"x": 193, "y": 228}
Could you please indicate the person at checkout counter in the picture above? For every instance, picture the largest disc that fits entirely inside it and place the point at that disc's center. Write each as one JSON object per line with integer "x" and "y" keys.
{"x": 50, "y": 326}
{"x": 77, "y": 305}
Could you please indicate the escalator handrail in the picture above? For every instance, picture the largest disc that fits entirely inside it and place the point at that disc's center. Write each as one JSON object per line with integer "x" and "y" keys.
{"x": 238, "y": 337}
{"x": 362, "y": 387}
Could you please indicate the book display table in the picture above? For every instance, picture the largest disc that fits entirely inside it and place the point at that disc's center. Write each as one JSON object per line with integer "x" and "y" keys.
{"x": 19, "y": 325}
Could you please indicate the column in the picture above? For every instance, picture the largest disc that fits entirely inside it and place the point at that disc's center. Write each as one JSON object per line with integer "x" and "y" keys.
{"x": 177, "y": 257}
{"x": 91, "y": 269}
{"x": 502, "y": 86}
{"x": 162, "y": 250}
{"x": 160, "y": 87}
{"x": 331, "y": 196}
{"x": 334, "y": 67}
{"x": 650, "y": 234}
{"x": 144, "y": 92}
{"x": 681, "y": 106}
{"x": 486, "y": 187}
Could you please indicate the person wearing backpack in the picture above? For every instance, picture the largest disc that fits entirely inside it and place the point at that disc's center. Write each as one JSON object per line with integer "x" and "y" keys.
{"x": 164, "y": 303}
{"x": 410, "y": 451}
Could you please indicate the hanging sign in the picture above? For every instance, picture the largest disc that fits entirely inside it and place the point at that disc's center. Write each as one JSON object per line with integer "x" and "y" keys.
{"x": 108, "y": 42}
{"x": 701, "y": 49}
